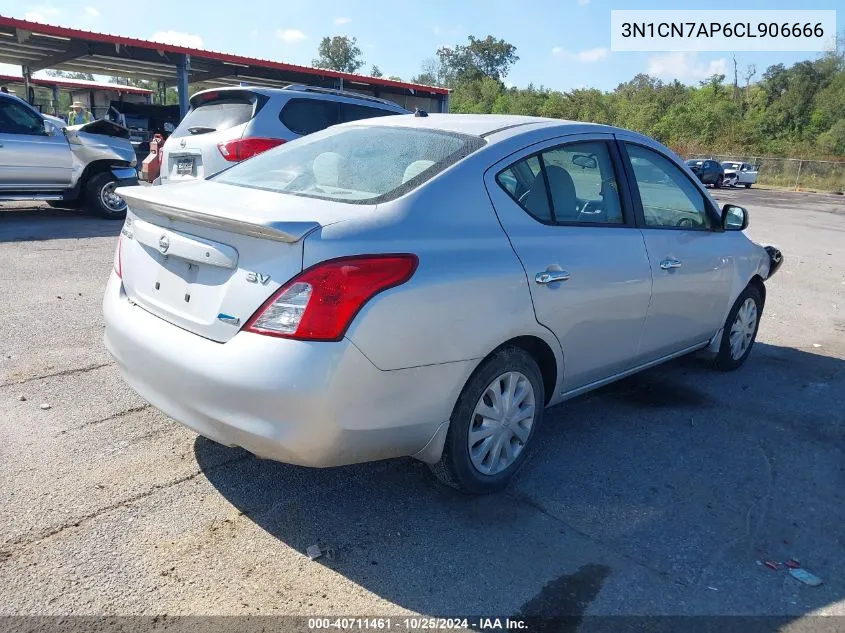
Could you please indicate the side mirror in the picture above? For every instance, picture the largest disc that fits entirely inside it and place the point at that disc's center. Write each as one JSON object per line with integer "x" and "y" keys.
{"x": 584, "y": 161}
{"x": 51, "y": 129}
{"x": 734, "y": 218}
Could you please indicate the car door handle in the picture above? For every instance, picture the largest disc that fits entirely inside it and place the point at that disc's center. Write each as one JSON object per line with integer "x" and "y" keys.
{"x": 668, "y": 263}
{"x": 551, "y": 276}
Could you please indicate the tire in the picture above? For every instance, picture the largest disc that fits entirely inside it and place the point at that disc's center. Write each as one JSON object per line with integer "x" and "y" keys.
{"x": 462, "y": 470}
{"x": 731, "y": 356}
{"x": 748, "y": 185}
{"x": 718, "y": 183}
{"x": 100, "y": 198}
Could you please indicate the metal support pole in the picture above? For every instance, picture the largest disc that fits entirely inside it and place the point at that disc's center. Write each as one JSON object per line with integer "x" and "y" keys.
{"x": 444, "y": 103}
{"x": 183, "y": 67}
{"x": 27, "y": 82}
{"x": 800, "y": 163}
{"x": 55, "y": 104}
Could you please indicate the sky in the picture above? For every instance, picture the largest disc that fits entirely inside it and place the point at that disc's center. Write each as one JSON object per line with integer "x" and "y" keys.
{"x": 561, "y": 44}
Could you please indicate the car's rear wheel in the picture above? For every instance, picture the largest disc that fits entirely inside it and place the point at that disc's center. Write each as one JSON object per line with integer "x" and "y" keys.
{"x": 748, "y": 185}
{"x": 718, "y": 183}
{"x": 102, "y": 199}
{"x": 493, "y": 423}
{"x": 740, "y": 330}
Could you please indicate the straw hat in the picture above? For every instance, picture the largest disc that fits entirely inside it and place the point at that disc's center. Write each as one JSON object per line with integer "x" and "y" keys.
{"x": 78, "y": 104}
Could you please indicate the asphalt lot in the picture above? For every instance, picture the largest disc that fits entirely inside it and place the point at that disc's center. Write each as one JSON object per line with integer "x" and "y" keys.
{"x": 661, "y": 494}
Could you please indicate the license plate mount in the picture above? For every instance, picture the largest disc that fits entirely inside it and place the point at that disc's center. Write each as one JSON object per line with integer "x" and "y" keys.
{"x": 184, "y": 166}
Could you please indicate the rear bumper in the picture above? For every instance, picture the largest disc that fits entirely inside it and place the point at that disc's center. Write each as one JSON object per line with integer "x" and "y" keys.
{"x": 300, "y": 402}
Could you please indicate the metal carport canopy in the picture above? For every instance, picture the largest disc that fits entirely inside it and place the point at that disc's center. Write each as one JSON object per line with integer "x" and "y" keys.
{"x": 36, "y": 46}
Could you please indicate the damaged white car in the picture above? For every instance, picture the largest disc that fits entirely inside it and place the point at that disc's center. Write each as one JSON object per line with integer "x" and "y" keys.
{"x": 70, "y": 167}
{"x": 738, "y": 173}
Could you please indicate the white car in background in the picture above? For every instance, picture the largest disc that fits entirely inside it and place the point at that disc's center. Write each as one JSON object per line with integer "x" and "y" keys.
{"x": 738, "y": 173}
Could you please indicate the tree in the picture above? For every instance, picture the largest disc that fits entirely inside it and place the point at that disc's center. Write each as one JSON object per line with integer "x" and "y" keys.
{"x": 431, "y": 73}
{"x": 479, "y": 58}
{"x": 339, "y": 53}
{"x": 70, "y": 75}
{"x": 375, "y": 71}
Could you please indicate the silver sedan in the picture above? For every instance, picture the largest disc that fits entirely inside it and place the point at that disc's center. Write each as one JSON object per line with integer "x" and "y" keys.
{"x": 424, "y": 286}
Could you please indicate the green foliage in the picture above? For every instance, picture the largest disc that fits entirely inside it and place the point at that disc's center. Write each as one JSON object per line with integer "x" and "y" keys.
{"x": 791, "y": 111}
{"x": 70, "y": 75}
{"x": 339, "y": 53}
{"x": 477, "y": 59}
{"x": 375, "y": 71}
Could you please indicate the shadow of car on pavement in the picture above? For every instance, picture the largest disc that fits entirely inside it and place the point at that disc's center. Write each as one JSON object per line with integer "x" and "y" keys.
{"x": 662, "y": 493}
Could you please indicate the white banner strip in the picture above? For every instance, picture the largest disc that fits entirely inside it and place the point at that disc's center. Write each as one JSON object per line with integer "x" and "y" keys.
{"x": 721, "y": 31}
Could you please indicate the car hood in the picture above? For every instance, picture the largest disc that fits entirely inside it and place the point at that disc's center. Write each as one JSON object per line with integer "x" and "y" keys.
{"x": 730, "y": 172}
{"x": 100, "y": 140}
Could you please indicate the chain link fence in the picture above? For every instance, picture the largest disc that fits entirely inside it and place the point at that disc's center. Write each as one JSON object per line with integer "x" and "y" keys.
{"x": 793, "y": 173}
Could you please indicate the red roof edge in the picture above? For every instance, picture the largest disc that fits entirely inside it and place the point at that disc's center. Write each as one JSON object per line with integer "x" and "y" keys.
{"x": 61, "y": 31}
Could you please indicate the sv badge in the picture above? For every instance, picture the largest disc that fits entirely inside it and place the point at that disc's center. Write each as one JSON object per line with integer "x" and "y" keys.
{"x": 257, "y": 278}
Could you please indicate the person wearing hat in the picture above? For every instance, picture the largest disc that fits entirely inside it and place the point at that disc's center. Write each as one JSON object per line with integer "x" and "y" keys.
{"x": 78, "y": 114}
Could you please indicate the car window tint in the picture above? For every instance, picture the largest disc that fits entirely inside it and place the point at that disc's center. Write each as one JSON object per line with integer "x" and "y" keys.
{"x": 526, "y": 184}
{"x": 17, "y": 119}
{"x": 306, "y": 116}
{"x": 583, "y": 184}
{"x": 669, "y": 198}
{"x": 352, "y": 112}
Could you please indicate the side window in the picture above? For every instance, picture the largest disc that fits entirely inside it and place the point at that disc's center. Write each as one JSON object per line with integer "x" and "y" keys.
{"x": 583, "y": 184}
{"x": 306, "y": 116}
{"x": 526, "y": 184}
{"x": 352, "y": 112}
{"x": 671, "y": 200}
{"x": 17, "y": 119}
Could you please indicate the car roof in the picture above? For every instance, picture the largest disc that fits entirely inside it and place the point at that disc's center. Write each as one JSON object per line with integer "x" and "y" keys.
{"x": 313, "y": 92}
{"x": 493, "y": 127}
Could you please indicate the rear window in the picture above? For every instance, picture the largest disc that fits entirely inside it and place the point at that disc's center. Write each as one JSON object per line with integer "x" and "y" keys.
{"x": 359, "y": 165}
{"x": 214, "y": 115}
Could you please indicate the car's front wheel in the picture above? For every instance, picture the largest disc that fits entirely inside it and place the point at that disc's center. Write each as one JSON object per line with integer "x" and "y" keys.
{"x": 102, "y": 199}
{"x": 740, "y": 330}
{"x": 493, "y": 423}
{"x": 748, "y": 185}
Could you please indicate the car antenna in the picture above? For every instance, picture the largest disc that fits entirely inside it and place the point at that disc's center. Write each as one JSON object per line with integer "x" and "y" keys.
{"x": 418, "y": 112}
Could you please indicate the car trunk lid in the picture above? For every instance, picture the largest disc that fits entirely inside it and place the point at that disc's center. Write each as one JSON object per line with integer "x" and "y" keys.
{"x": 205, "y": 256}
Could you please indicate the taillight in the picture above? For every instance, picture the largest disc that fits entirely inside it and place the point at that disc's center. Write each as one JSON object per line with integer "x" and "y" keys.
{"x": 320, "y": 302}
{"x": 118, "y": 264}
{"x": 243, "y": 148}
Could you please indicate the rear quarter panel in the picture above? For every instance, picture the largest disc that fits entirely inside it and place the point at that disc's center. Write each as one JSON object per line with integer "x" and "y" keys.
{"x": 469, "y": 293}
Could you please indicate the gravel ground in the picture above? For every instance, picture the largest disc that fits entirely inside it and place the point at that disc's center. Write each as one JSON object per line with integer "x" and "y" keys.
{"x": 660, "y": 494}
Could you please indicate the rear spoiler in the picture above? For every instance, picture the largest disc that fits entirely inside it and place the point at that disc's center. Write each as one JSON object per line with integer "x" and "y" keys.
{"x": 243, "y": 224}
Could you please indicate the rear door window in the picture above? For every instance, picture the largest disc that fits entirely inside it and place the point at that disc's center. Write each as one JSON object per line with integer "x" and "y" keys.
{"x": 218, "y": 113}
{"x": 353, "y": 112}
{"x": 306, "y": 116}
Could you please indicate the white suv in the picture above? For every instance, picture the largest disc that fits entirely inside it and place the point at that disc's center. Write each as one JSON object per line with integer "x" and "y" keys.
{"x": 228, "y": 125}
